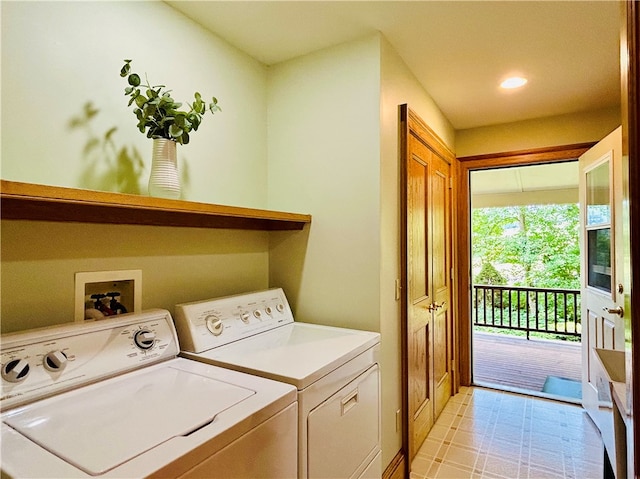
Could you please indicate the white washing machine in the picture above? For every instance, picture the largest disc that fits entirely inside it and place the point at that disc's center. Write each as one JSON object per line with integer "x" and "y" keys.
{"x": 335, "y": 371}
{"x": 112, "y": 399}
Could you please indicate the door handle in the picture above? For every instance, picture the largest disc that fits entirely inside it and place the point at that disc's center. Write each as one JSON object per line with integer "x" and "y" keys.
{"x": 434, "y": 306}
{"x": 618, "y": 310}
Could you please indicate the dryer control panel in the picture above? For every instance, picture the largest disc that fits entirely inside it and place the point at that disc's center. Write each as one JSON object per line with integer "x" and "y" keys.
{"x": 204, "y": 325}
{"x": 42, "y": 362}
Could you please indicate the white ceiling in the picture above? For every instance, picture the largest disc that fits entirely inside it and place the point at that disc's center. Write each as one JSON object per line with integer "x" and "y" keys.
{"x": 458, "y": 50}
{"x": 523, "y": 185}
{"x": 523, "y": 179}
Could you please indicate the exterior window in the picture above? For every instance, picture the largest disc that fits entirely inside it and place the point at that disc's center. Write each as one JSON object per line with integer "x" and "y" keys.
{"x": 598, "y": 219}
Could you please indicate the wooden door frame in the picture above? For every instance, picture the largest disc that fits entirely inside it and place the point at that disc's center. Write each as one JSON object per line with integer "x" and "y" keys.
{"x": 463, "y": 245}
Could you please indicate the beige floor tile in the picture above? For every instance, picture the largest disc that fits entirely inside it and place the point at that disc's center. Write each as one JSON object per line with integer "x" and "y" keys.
{"x": 485, "y": 434}
{"x": 470, "y": 439}
{"x": 502, "y": 467}
{"x": 429, "y": 448}
{"x": 461, "y": 457}
{"x": 447, "y": 471}
{"x": 438, "y": 432}
{"x": 421, "y": 464}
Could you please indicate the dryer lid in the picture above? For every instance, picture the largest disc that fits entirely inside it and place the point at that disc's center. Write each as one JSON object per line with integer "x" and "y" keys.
{"x": 296, "y": 353}
{"x": 104, "y": 425}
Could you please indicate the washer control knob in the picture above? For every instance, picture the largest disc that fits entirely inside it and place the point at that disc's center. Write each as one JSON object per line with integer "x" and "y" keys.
{"x": 214, "y": 325}
{"x": 144, "y": 339}
{"x": 55, "y": 361}
{"x": 268, "y": 310}
{"x": 280, "y": 307}
{"x": 244, "y": 316}
{"x": 15, "y": 370}
{"x": 258, "y": 314}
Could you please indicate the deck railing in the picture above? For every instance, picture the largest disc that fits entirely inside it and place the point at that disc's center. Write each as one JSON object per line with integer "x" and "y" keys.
{"x": 542, "y": 310}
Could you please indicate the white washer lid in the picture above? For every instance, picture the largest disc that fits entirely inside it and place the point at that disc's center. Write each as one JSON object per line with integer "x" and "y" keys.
{"x": 102, "y": 426}
{"x": 296, "y": 353}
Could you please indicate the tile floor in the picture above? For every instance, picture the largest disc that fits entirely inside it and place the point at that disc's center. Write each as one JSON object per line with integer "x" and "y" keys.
{"x": 484, "y": 433}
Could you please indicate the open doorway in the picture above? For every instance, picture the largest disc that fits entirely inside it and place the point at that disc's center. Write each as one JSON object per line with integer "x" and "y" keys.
{"x": 525, "y": 279}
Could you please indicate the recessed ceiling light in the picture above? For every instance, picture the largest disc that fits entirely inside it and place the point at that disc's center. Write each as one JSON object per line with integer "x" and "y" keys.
{"x": 513, "y": 82}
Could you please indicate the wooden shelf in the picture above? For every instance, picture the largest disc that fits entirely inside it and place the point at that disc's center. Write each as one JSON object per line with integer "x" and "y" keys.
{"x": 25, "y": 201}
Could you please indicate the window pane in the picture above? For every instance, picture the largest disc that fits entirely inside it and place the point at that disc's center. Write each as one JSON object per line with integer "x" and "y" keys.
{"x": 599, "y": 259}
{"x": 598, "y": 207}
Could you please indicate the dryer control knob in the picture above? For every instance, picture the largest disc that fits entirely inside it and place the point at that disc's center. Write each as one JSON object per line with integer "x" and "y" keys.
{"x": 15, "y": 370}
{"x": 144, "y": 339}
{"x": 214, "y": 325}
{"x": 55, "y": 361}
{"x": 244, "y": 316}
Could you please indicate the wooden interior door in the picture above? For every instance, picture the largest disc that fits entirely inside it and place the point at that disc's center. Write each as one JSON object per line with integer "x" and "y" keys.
{"x": 426, "y": 281}
{"x": 419, "y": 304}
{"x": 602, "y": 288}
{"x": 440, "y": 260}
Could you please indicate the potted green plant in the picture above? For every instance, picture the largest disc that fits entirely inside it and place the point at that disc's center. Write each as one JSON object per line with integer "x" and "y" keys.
{"x": 160, "y": 118}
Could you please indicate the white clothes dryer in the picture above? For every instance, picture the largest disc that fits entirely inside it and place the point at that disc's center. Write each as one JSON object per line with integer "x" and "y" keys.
{"x": 111, "y": 399}
{"x": 335, "y": 371}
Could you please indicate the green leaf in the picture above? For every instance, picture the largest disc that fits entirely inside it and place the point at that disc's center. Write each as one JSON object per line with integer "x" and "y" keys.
{"x": 175, "y": 131}
{"x": 124, "y": 71}
{"x": 213, "y": 106}
{"x": 134, "y": 79}
{"x": 141, "y": 100}
{"x": 149, "y": 109}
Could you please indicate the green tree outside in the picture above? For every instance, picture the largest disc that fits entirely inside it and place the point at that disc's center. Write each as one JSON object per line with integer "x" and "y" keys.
{"x": 538, "y": 244}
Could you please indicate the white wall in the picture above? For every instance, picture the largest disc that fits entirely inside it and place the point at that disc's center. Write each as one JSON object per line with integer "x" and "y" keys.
{"x": 569, "y": 129}
{"x": 398, "y": 86}
{"x": 57, "y": 56}
{"x": 324, "y": 157}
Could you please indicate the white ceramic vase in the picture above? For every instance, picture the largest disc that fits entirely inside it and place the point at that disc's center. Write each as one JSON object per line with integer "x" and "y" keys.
{"x": 164, "y": 181}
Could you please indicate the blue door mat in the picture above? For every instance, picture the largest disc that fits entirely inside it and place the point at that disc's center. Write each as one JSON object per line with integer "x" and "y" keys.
{"x": 562, "y": 387}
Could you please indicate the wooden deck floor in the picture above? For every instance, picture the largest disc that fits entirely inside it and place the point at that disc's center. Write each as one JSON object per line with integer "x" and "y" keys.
{"x": 523, "y": 364}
